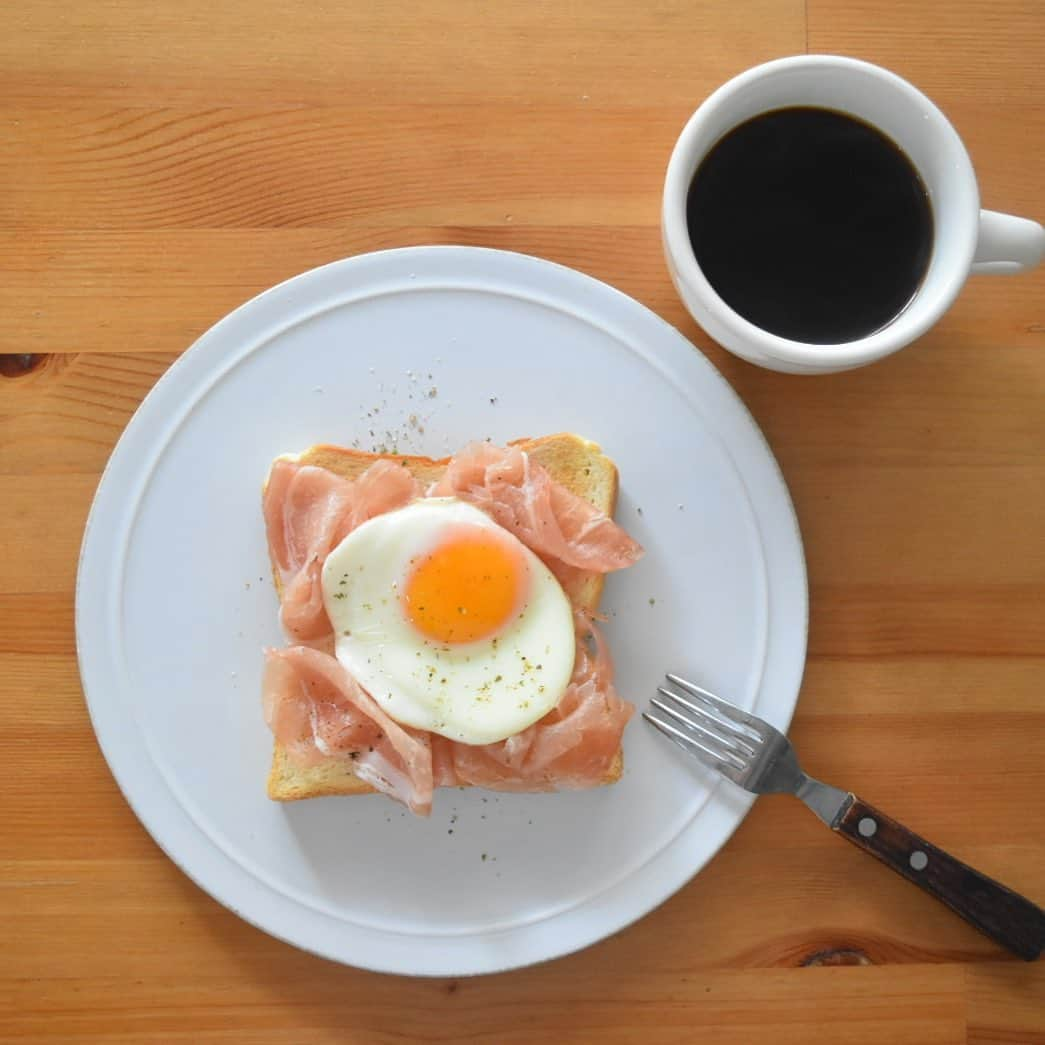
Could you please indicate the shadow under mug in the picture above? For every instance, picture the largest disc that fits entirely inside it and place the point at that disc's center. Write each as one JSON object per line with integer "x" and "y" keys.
{"x": 966, "y": 239}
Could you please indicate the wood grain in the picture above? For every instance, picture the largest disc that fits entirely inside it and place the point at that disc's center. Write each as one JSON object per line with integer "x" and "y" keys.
{"x": 400, "y": 52}
{"x": 160, "y": 164}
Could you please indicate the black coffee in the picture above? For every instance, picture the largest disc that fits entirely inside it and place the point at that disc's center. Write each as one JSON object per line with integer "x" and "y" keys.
{"x": 811, "y": 224}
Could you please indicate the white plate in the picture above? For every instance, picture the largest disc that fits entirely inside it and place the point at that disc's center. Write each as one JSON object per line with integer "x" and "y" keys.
{"x": 174, "y": 602}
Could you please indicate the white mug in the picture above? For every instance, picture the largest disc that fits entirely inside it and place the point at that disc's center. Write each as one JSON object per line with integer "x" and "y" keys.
{"x": 966, "y": 239}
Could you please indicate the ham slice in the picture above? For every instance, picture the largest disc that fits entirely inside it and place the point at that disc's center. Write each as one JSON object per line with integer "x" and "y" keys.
{"x": 308, "y": 512}
{"x": 573, "y": 746}
{"x": 521, "y": 496}
{"x": 317, "y": 710}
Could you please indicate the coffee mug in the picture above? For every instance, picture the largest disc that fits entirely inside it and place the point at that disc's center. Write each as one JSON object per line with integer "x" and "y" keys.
{"x": 965, "y": 239}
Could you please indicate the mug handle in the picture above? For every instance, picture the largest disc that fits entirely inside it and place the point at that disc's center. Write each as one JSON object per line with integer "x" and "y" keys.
{"x": 1007, "y": 244}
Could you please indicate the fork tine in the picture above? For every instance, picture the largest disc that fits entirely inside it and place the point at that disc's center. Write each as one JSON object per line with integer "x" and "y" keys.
{"x": 731, "y": 735}
{"x": 731, "y": 711}
{"x": 693, "y": 746}
{"x": 724, "y": 748}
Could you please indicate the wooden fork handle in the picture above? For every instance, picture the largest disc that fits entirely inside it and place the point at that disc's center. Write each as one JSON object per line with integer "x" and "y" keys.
{"x": 1010, "y": 919}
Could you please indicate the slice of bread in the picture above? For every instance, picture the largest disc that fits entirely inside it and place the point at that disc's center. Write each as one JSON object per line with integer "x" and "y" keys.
{"x": 578, "y": 464}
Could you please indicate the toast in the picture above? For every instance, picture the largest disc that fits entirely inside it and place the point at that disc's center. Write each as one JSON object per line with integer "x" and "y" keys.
{"x": 576, "y": 463}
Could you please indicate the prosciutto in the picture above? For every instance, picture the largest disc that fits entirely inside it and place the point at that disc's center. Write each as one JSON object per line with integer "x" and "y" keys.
{"x": 573, "y": 746}
{"x": 316, "y": 710}
{"x": 521, "y": 496}
{"x": 308, "y": 512}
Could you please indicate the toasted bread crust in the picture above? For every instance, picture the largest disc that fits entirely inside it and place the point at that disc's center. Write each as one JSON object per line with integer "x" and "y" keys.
{"x": 580, "y": 465}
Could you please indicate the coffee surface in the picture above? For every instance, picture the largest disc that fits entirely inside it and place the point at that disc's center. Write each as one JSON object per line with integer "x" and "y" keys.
{"x": 811, "y": 224}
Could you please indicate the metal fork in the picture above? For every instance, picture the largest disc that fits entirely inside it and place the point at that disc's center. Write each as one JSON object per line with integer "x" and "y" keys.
{"x": 753, "y": 755}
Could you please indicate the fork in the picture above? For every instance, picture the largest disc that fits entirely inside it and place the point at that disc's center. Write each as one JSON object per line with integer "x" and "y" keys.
{"x": 753, "y": 755}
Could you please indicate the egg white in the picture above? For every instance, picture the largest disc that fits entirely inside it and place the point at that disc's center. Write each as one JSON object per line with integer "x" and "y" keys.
{"x": 477, "y": 693}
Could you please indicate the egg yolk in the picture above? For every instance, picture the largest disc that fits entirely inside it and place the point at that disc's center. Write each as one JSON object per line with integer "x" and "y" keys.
{"x": 467, "y": 588}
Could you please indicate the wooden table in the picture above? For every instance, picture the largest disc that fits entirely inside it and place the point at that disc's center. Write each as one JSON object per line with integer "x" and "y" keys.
{"x": 162, "y": 162}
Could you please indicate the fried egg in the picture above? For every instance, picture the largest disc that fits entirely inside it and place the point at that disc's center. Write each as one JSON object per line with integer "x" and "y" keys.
{"x": 449, "y": 621}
